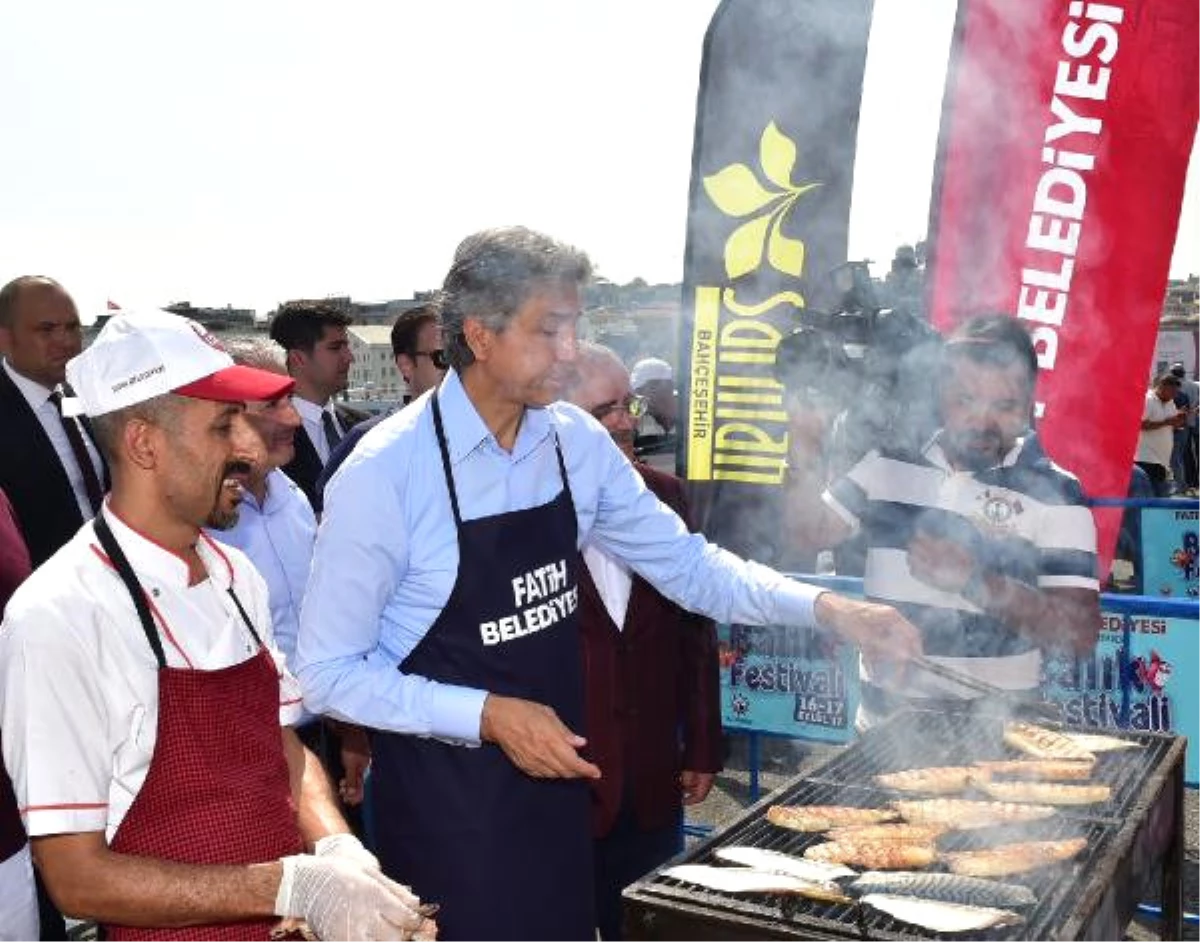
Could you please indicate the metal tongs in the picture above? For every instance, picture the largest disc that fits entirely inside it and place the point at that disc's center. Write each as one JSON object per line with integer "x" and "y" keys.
{"x": 1011, "y": 699}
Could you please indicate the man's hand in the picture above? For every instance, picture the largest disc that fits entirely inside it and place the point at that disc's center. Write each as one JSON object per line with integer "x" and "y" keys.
{"x": 356, "y": 759}
{"x": 340, "y": 900}
{"x": 695, "y": 785}
{"x": 879, "y": 631}
{"x": 534, "y": 738}
{"x": 348, "y": 847}
{"x": 942, "y": 563}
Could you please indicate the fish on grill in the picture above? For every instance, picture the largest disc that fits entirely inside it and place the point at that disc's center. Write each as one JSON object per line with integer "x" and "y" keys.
{"x": 824, "y": 817}
{"x": 1046, "y": 793}
{"x": 874, "y": 855}
{"x": 1049, "y": 769}
{"x": 760, "y": 858}
{"x": 1096, "y": 743}
{"x": 964, "y": 814}
{"x": 1042, "y": 743}
{"x": 941, "y": 917}
{"x": 892, "y": 831}
{"x": 946, "y": 888}
{"x": 944, "y": 780}
{"x": 1012, "y": 858}
{"x": 747, "y": 880}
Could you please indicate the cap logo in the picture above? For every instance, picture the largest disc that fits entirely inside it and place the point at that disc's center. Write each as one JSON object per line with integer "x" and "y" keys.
{"x": 205, "y": 335}
{"x": 138, "y": 377}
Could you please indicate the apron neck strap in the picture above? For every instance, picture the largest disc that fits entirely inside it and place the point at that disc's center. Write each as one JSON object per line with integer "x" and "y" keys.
{"x": 137, "y": 593}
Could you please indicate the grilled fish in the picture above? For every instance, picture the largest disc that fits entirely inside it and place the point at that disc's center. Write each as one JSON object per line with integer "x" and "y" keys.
{"x": 1012, "y": 858}
{"x": 1094, "y": 743}
{"x": 946, "y": 888}
{"x": 945, "y": 780}
{"x": 747, "y": 880}
{"x": 824, "y": 817}
{"x": 1046, "y": 793}
{"x": 941, "y": 917}
{"x": 759, "y": 858}
{"x": 900, "y": 833}
{"x": 1042, "y": 743}
{"x": 1051, "y": 769}
{"x": 874, "y": 855}
{"x": 962, "y": 814}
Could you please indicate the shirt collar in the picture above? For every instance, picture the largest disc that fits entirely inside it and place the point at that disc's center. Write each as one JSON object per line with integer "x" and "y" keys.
{"x": 34, "y": 392}
{"x": 466, "y": 431}
{"x": 310, "y": 411}
{"x": 152, "y": 561}
{"x": 937, "y": 457}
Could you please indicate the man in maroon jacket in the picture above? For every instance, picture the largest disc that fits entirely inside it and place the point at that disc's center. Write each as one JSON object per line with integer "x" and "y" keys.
{"x": 650, "y": 678}
{"x": 18, "y": 899}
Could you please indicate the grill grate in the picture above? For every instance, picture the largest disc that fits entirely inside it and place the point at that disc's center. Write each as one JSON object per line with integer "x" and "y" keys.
{"x": 915, "y": 740}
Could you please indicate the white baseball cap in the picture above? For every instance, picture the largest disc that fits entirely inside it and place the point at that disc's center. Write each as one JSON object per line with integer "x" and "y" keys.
{"x": 141, "y": 355}
{"x": 648, "y": 370}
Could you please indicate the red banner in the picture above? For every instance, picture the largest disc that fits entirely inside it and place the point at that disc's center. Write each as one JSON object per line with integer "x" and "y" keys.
{"x": 1066, "y": 132}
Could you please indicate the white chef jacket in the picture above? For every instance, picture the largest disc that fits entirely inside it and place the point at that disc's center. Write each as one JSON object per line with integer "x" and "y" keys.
{"x": 79, "y": 680}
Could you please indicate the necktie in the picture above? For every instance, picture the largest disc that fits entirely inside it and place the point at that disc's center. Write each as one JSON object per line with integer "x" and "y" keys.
{"x": 332, "y": 435}
{"x": 91, "y": 482}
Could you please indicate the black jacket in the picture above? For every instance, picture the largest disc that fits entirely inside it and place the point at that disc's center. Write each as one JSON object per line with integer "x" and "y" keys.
{"x": 305, "y": 467}
{"x": 33, "y": 477}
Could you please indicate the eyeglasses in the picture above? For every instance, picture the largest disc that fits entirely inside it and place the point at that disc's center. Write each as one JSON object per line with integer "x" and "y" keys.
{"x": 437, "y": 357}
{"x": 634, "y": 405}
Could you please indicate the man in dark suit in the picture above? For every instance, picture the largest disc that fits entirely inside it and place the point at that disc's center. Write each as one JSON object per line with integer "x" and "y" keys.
{"x": 421, "y": 362}
{"x": 650, "y": 678}
{"x": 49, "y": 466}
{"x": 313, "y": 335}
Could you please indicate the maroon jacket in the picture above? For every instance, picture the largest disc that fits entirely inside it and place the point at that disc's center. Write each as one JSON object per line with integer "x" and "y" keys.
{"x": 14, "y": 569}
{"x": 653, "y": 703}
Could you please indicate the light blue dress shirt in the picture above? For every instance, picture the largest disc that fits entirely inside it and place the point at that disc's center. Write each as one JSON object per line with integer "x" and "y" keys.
{"x": 387, "y": 553}
{"x": 278, "y": 537}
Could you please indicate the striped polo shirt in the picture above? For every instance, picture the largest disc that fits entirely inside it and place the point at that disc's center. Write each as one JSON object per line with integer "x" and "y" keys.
{"x": 1025, "y": 519}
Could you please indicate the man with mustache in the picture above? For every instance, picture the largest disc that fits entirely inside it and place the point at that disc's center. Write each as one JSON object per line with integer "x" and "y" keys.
{"x": 979, "y": 538}
{"x": 264, "y": 513}
{"x": 146, "y": 708}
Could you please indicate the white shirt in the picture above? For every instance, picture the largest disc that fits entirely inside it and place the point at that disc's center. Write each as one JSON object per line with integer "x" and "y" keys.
{"x": 1155, "y": 444}
{"x": 38, "y": 397}
{"x": 310, "y": 415}
{"x": 614, "y": 582}
{"x": 79, "y": 681}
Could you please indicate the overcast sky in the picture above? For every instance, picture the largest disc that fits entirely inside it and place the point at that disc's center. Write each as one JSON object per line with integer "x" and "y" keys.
{"x": 247, "y": 152}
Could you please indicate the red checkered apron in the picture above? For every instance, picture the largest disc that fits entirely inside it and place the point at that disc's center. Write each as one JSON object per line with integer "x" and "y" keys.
{"x": 217, "y": 791}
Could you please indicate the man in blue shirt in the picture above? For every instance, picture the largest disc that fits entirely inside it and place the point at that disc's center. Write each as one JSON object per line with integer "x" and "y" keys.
{"x": 442, "y": 606}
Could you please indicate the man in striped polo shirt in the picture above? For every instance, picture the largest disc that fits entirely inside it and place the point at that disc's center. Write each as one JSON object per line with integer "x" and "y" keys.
{"x": 978, "y": 538}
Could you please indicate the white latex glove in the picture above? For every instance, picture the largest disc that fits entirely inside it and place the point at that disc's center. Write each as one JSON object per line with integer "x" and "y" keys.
{"x": 340, "y": 900}
{"x": 347, "y": 847}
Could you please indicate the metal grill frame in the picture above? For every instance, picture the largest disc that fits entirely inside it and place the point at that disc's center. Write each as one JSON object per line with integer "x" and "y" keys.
{"x": 1139, "y": 831}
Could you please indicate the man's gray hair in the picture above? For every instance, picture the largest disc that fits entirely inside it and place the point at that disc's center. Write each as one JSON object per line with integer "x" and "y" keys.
{"x": 589, "y": 356}
{"x": 258, "y": 352}
{"x": 494, "y": 273}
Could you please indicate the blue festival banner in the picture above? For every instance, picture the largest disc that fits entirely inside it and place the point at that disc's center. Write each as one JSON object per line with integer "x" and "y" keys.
{"x": 1171, "y": 552}
{"x": 774, "y": 680}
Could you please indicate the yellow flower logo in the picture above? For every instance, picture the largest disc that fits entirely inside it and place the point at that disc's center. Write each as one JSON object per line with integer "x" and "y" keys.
{"x": 737, "y": 192}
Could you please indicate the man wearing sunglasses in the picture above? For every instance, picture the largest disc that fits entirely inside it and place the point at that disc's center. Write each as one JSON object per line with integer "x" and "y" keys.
{"x": 420, "y": 359}
{"x": 650, "y": 679}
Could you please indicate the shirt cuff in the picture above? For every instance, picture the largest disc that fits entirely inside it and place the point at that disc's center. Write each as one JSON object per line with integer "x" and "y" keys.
{"x": 455, "y": 713}
{"x": 794, "y": 602}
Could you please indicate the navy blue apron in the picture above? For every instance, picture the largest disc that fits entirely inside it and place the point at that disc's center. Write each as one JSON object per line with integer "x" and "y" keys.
{"x": 506, "y": 856}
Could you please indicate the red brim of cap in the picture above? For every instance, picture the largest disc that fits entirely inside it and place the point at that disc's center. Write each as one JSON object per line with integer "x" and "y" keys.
{"x": 238, "y": 384}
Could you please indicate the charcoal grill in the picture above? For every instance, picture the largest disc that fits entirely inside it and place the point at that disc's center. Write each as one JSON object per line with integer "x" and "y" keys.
{"x": 1133, "y": 839}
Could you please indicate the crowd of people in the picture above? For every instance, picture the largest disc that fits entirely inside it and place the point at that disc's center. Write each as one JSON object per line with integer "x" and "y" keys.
{"x": 234, "y": 608}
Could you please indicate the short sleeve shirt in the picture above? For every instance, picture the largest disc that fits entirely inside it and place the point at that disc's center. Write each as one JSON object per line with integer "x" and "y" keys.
{"x": 79, "y": 681}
